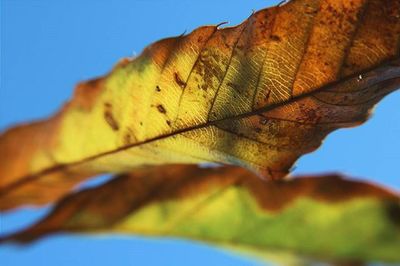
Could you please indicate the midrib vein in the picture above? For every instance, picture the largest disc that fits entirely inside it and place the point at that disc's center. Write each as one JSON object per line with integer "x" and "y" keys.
{"x": 62, "y": 167}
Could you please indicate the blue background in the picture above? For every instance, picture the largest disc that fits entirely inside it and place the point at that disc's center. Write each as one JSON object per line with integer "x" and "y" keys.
{"x": 48, "y": 46}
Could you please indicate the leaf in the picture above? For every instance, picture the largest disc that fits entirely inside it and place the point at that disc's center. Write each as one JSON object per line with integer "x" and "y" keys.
{"x": 326, "y": 218}
{"x": 258, "y": 95}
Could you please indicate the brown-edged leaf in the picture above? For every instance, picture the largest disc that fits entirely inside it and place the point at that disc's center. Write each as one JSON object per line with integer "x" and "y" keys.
{"x": 327, "y": 218}
{"x": 258, "y": 95}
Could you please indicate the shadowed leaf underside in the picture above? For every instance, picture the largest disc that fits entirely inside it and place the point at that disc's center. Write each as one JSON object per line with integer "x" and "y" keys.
{"x": 327, "y": 218}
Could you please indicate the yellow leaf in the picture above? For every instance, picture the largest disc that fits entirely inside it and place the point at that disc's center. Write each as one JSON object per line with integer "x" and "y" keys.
{"x": 258, "y": 95}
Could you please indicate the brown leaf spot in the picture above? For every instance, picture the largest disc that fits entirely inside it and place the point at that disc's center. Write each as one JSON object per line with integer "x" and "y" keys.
{"x": 275, "y": 38}
{"x": 179, "y": 81}
{"x": 108, "y": 116}
{"x": 161, "y": 109}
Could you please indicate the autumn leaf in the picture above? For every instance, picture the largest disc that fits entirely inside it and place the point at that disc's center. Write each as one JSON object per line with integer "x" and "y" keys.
{"x": 326, "y": 218}
{"x": 258, "y": 95}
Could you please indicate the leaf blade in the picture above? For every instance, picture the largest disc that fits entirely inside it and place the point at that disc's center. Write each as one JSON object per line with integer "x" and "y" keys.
{"x": 173, "y": 104}
{"x": 230, "y": 206}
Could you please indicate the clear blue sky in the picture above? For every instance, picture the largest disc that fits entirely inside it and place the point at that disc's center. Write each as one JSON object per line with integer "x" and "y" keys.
{"x": 48, "y": 46}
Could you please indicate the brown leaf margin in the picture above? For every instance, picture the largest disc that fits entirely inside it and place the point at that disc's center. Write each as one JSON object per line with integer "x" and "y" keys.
{"x": 125, "y": 194}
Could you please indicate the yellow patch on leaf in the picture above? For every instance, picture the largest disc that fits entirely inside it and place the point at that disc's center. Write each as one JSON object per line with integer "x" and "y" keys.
{"x": 258, "y": 95}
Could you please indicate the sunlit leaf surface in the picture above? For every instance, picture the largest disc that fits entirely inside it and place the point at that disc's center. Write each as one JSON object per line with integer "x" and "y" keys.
{"x": 258, "y": 95}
